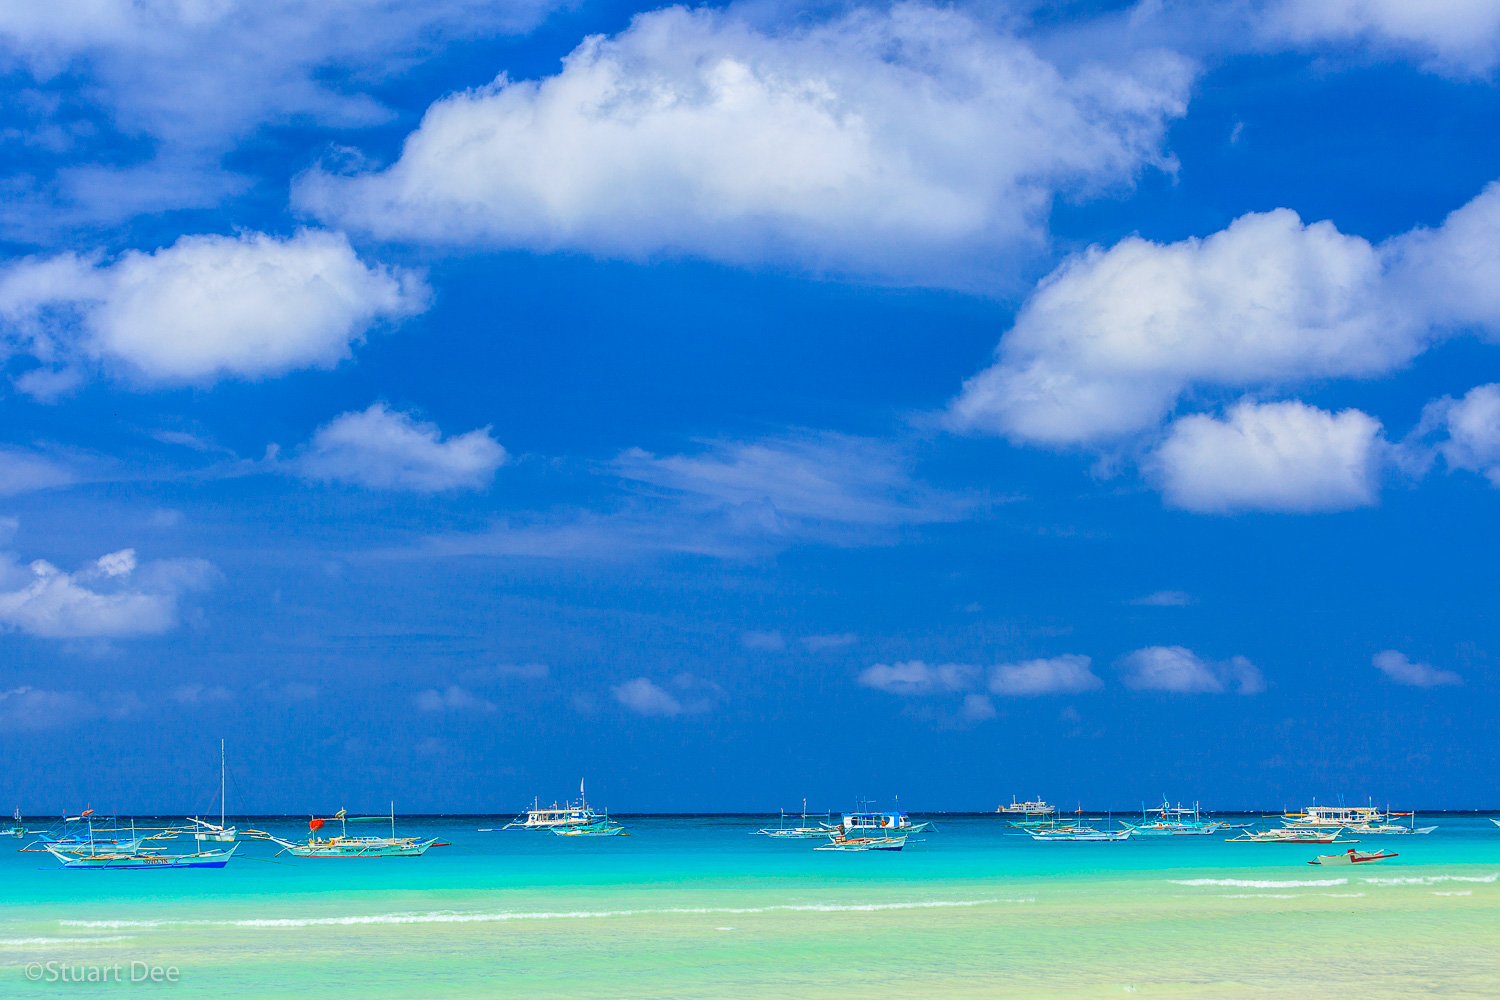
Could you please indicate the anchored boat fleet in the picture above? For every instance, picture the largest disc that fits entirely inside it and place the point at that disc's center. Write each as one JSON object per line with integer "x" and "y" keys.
{"x": 86, "y": 841}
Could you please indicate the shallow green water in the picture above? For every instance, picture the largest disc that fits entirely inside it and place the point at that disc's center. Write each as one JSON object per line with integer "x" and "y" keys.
{"x": 697, "y": 908}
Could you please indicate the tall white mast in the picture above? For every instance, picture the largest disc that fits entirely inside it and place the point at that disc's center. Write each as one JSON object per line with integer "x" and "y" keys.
{"x": 221, "y": 784}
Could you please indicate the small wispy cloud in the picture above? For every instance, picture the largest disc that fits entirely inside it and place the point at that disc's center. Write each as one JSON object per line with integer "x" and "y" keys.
{"x": 822, "y": 643}
{"x": 684, "y": 694}
{"x": 1164, "y": 599}
{"x": 451, "y": 699}
{"x": 1398, "y": 668}
{"x": 1179, "y": 670}
{"x": 1067, "y": 674}
{"x": 916, "y": 677}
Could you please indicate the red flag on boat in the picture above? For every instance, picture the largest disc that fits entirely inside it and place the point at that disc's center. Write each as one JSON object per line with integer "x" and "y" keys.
{"x": 315, "y": 824}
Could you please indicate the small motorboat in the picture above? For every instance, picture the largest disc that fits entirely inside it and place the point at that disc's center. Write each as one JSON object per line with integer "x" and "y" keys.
{"x": 1353, "y": 857}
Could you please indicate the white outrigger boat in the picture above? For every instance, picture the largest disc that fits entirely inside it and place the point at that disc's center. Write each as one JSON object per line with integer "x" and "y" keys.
{"x": 345, "y": 846}
{"x": 876, "y": 824}
{"x": 839, "y": 842}
{"x": 1285, "y": 835}
{"x": 220, "y": 832}
{"x": 19, "y": 829}
{"x": 1174, "y": 821}
{"x": 782, "y": 831}
{"x": 118, "y": 860}
{"x": 1034, "y": 807}
{"x": 1352, "y": 857}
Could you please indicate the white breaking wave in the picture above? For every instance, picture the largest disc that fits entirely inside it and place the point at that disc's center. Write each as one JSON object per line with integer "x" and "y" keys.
{"x": 1246, "y": 883}
{"x": 1433, "y": 879}
{"x": 70, "y": 941}
{"x": 1456, "y": 892}
{"x": 451, "y": 917}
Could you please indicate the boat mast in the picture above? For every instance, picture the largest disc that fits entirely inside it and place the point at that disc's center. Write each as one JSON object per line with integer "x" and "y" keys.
{"x": 221, "y": 785}
{"x": 393, "y": 819}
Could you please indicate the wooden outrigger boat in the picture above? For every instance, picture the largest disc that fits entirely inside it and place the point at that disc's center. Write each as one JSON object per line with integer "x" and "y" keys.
{"x": 784, "y": 832}
{"x": 839, "y": 842}
{"x": 1290, "y": 835}
{"x": 345, "y": 846}
{"x": 106, "y": 858}
{"x": 220, "y": 832}
{"x": 1352, "y": 857}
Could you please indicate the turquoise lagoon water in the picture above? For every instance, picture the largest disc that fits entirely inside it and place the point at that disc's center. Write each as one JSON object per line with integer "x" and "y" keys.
{"x": 697, "y": 908}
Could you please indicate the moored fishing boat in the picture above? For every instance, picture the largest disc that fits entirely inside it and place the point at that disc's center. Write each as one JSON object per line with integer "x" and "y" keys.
{"x": 839, "y": 842}
{"x": 1283, "y": 835}
{"x": 345, "y": 846}
{"x": 114, "y": 859}
{"x": 220, "y": 832}
{"x": 19, "y": 828}
{"x": 884, "y": 824}
{"x": 1352, "y": 857}
{"x": 69, "y": 837}
{"x": 1174, "y": 821}
{"x": 801, "y": 831}
{"x": 1084, "y": 833}
{"x": 603, "y": 827}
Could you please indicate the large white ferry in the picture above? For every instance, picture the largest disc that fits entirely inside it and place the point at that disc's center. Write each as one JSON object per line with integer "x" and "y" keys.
{"x": 556, "y": 817}
{"x": 1036, "y": 807}
{"x": 1334, "y": 817}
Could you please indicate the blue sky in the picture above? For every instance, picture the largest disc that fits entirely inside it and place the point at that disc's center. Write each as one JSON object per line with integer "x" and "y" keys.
{"x": 444, "y": 401}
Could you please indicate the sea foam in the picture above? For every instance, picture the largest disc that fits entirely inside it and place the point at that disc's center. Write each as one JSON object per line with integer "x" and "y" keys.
{"x": 1248, "y": 883}
{"x": 452, "y": 917}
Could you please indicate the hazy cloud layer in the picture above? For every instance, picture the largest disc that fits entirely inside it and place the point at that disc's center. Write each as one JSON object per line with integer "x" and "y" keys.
{"x": 929, "y": 146}
{"x": 194, "y": 78}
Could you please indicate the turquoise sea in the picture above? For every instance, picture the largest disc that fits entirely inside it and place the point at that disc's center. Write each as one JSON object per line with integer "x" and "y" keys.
{"x": 695, "y": 907}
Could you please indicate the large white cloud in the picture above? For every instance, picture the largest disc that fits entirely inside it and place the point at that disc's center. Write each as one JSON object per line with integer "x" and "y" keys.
{"x": 909, "y": 142}
{"x": 388, "y": 450}
{"x": 1114, "y": 339}
{"x": 1272, "y": 456}
{"x": 1462, "y": 35}
{"x": 112, "y": 597}
{"x": 195, "y": 77}
{"x": 205, "y": 308}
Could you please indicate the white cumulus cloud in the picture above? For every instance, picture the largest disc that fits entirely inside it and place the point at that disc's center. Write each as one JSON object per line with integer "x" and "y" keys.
{"x": 910, "y": 142}
{"x": 205, "y": 308}
{"x": 1398, "y": 668}
{"x": 1271, "y": 456}
{"x": 1113, "y": 340}
{"x": 1181, "y": 671}
{"x": 1472, "y": 425}
{"x": 113, "y": 597}
{"x": 1067, "y": 674}
{"x": 385, "y": 449}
